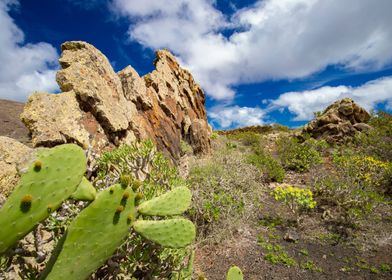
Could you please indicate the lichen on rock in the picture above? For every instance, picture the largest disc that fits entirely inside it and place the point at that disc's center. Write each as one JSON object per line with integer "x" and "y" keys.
{"x": 99, "y": 108}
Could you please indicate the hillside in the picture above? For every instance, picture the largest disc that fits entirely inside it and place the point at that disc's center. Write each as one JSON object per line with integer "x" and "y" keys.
{"x": 345, "y": 235}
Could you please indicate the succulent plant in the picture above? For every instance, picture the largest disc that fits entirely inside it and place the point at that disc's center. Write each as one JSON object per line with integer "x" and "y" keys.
{"x": 49, "y": 180}
{"x": 234, "y": 273}
{"x": 102, "y": 227}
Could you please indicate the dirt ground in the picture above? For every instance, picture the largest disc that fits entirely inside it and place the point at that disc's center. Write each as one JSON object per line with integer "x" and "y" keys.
{"x": 10, "y": 124}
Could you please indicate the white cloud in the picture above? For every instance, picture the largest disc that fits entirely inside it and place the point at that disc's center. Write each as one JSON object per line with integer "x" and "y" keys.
{"x": 235, "y": 116}
{"x": 304, "y": 103}
{"x": 24, "y": 68}
{"x": 274, "y": 39}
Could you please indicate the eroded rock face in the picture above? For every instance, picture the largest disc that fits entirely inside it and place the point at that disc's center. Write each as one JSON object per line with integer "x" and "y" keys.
{"x": 13, "y": 155}
{"x": 99, "y": 108}
{"x": 339, "y": 120}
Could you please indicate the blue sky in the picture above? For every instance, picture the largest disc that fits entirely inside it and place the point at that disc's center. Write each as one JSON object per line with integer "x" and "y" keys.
{"x": 258, "y": 61}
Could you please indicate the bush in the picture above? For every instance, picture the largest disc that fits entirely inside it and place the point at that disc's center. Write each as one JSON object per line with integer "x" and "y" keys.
{"x": 354, "y": 187}
{"x": 214, "y": 135}
{"x": 297, "y": 156}
{"x": 367, "y": 170}
{"x": 378, "y": 141}
{"x": 216, "y": 203}
{"x": 225, "y": 193}
{"x": 186, "y": 148}
{"x": 247, "y": 138}
{"x": 296, "y": 199}
{"x": 271, "y": 168}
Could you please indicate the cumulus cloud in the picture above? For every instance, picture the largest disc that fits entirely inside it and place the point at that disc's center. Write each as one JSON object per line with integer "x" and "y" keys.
{"x": 272, "y": 39}
{"x": 235, "y": 116}
{"x": 303, "y": 104}
{"x": 24, "y": 68}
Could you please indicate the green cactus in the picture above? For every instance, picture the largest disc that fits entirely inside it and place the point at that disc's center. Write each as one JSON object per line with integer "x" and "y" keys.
{"x": 102, "y": 227}
{"x": 49, "y": 180}
{"x": 174, "y": 202}
{"x": 234, "y": 273}
{"x": 172, "y": 233}
{"x": 95, "y": 234}
{"x": 84, "y": 191}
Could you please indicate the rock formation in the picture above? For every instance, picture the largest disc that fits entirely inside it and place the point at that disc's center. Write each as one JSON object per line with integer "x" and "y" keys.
{"x": 99, "y": 108}
{"x": 339, "y": 120}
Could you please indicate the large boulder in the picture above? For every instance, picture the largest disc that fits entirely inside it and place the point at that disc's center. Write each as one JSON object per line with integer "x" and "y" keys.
{"x": 339, "y": 121}
{"x": 100, "y": 109}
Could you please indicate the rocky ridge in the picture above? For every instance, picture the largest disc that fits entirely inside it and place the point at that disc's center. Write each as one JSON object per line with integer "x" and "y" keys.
{"x": 100, "y": 109}
{"x": 338, "y": 121}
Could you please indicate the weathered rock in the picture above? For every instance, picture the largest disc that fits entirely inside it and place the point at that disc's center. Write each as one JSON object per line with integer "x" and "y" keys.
{"x": 13, "y": 155}
{"x": 100, "y": 109}
{"x": 291, "y": 236}
{"x": 54, "y": 119}
{"x": 339, "y": 120}
{"x": 89, "y": 74}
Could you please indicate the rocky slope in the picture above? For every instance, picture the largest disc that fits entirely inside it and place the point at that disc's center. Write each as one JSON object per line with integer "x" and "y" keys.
{"x": 99, "y": 108}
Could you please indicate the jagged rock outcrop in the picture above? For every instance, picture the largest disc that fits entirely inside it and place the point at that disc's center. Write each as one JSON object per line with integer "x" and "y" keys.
{"x": 99, "y": 108}
{"x": 339, "y": 120}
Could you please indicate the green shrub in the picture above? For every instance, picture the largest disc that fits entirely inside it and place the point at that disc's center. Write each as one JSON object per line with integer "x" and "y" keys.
{"x": 225, "y": 193}
{"x": 215, "y": 202}
{"x": 297, "y": 156}
{"x": 231, "y": 145}
{"x": 214, "y": 135}
{"x": 378, "y": 141}
{"x": 186, "y": 148}
{"x": 354, "y": 187}
{"x": 247, "y": 138}
{"x": 271, "y": 168}
{"x": 366, "y": 170}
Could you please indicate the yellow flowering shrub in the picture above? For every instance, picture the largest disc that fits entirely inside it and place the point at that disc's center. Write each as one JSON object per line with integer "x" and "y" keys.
{"x": 297, "y": 199}
{"x": 366, "y": 170}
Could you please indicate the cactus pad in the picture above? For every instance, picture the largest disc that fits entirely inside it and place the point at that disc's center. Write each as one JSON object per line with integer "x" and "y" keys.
{"x": 51, "y": 179}
{"x": 234, "y": 273}
{"x": 95, "y": 234}
{"x": 174, "y": 202}
{"x": 85, "y": 191}
{"x": 172, "y": 233}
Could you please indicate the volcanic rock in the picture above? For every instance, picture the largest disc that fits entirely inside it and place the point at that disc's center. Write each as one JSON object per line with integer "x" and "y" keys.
{"x": 100, "y": 109}
{"x": 340, "y": 120}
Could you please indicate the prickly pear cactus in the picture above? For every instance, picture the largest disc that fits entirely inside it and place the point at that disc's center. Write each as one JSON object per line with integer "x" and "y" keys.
{"x": 102, "y": 227}
{"x": 234, "y": 273}
{"x": 174, "y": 202}
{"x": 172, "y": 233}
{"x": 49, "y": 180}
{"x": 95, "y": 234}
{"x": 84, "y": 191}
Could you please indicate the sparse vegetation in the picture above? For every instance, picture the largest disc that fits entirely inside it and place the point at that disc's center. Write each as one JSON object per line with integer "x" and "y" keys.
{"x": 271, "y": 168}
{"x": 297, "y": 156}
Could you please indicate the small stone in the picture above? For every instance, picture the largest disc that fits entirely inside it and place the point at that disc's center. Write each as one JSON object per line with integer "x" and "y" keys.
{"x": 291, "y": 236}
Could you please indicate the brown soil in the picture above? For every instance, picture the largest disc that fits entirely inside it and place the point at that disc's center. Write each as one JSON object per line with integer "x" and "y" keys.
{"x": 10, "y": 124}
{"x": 213, "y": 261}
